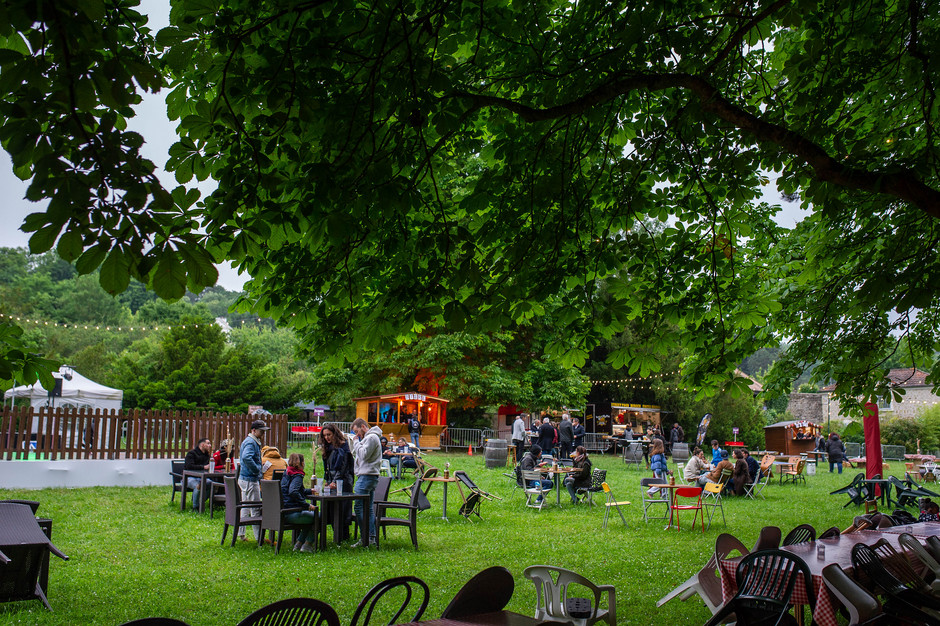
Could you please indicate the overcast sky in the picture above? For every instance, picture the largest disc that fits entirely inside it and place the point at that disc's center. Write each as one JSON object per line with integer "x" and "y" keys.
{"x": 159, "y": 134}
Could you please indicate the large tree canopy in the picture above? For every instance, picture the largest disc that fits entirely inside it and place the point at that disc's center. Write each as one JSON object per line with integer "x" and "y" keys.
{"x": 393, "y": 165}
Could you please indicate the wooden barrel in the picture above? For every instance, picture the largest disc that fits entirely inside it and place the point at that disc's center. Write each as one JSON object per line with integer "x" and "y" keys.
{"x": 495, "y": 452}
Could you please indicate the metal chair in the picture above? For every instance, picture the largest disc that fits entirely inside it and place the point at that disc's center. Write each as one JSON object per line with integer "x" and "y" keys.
{"x": 293, "y": 611}
{"x": 800, "y": 534}
{"x": 765, "y": 582}
{"x": 796, "y": 474}
{"x": 534, "y": 489}
{"x": 553, "y": 603}
{"x": 653, "y": 499}
{"x": 712, "y": 499}
{"x": 410, "y": 586}
{"x": 23, "y": 548}
{"x": 689, "y": 493}
{"x": 234, "y": 507}
{"x": 598, "y": 476}
{"x": 611, "y": 501}
{"x": 862, "y": 607}
{"x": 487, "y": 592}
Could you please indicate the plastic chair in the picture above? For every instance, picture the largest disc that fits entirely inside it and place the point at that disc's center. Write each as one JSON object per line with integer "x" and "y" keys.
{"x": 553, "y": 603}
{"x": 689, "y": 493}
{"x": 383, "y": 520}
{"x": 706, "y": 582}
{"x": 234, "y": 507}
{"x": 410, "y": 585}
{"x": 293, "y": 611}
{"x": 385, "y": 468}
{"x": 900, "y": 567}
{"x": 855, "y": 490}
{"x": 23, "y": 548}
{"x": 910, "y": 543}
{"x": 272, "y": 515}
{"x": 534, "y": 489}
{"x": 598, "y": 476}
{"x": 487, "y": 592}
{"x": 830, "y": 533}
{"x": 650, "y": 500}
{"x": 768, "y": 539}
{"x": 155, "y": 621}
{"x": 712, "y": 499}
{"x": 903, "y": 603}
{"x": 176, "y": 471}
{"x": 765, "y": 584}
{"x": 612, "y": 502}
{"x": 933, "y": 544}
{"x": 800, "y": 534}
{"x": 862, "y": 607}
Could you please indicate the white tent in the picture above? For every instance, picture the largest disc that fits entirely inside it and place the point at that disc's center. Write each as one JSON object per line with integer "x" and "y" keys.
{"x": 77, "y": 392}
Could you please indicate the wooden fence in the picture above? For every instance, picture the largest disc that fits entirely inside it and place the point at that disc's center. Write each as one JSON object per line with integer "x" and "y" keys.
{"x": 67, "y": 433}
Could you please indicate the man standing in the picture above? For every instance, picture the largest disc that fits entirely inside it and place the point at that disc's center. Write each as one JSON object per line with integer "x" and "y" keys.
{"x": 197, "y": 460}
{"x": 546, "y": 436}
{"x": 249, "y": 471}
{"x": 414, "y": 429}
{"x": 675, "y": 435}
{"x": 565, "y": 436}
{"x": 367, "y": 458}
{"x": 518, "y": 437}
{"x": 578, "y": 431}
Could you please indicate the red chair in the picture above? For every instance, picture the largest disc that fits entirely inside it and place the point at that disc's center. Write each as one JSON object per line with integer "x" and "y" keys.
{"x": 689, "y": 493}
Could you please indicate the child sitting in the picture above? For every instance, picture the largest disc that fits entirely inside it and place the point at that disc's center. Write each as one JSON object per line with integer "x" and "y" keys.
{"x": 930, "y": 513}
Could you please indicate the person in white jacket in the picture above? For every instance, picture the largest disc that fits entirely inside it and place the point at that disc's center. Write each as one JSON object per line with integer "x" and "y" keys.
{"x": 367, "y": 458}
{"x": 518, "y": 437}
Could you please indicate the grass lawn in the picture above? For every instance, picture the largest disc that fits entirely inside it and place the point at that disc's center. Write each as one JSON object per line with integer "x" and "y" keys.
{"x": 133, "y": 554}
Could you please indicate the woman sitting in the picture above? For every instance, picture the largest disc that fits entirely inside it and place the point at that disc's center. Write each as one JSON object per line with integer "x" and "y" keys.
{"x": 580, "y": 477}
{"x": 740, "y": 475}
{"x": 696, "y": 466}
{"x": 294, "y": 496}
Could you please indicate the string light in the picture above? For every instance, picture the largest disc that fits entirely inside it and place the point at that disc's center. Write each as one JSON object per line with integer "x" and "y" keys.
{"x": 155, "y": 327}
{"x": 621, "y": 381}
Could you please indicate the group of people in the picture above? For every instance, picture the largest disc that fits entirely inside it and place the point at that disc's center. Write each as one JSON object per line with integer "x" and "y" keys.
{"x": 561, "y": 439}
{"x": 578, "y": 476}
{"x": 744, "y": 470}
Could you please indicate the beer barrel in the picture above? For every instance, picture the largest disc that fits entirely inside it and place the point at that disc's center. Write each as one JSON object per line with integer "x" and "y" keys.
{"x": 495, "y": 452}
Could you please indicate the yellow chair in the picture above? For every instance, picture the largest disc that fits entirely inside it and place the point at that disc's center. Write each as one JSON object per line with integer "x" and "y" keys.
{"x": 611, "y": 501}
{"x": 712, "y": 498}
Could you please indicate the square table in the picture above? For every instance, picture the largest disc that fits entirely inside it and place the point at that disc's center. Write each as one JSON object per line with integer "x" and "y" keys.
{"x": 203, "y": 477}
{"x": 338, "y": 499}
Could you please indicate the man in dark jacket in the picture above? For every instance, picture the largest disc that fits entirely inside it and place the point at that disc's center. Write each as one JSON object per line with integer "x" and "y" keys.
{"x": 836, "y": 451}
{"x": 577, "y": 429}
{"x": 546, "y": 436}
{"x": 414, "y": 430}
{"x": 565, "y": 437}
{"x": 197, "y": 460}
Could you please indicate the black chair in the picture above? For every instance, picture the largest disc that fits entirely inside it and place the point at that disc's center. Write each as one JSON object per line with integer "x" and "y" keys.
{"x": 830, "y": 533}
{"x": 487, "y": 592}
{"x": 862, "y": 607}
{"x": 768, "y": 539}
{"x": 295, "y": 612}
{"x": 32, "y": 504}
{"x": 176, "y": 471}
{"x": 277, "y": 474}
{"x": 906, "y": 494}
{"x": 598, "y": 478}
{"x": 409, "y": 586}
{"x": 765, "y": 584}
{"x": 855, "y": 490}
{"x": 234, "y": 507}
{"x": 800, "y": 534}
{"x": 900, "y": 567}
{"x": 471, "y": 504}
{"x": 273, "y": 514}
{"x": 383, "y": 520}
{"x": 901, "y": 602}
{"x": 155, "y": 621}
{"x": 23, "y": 548}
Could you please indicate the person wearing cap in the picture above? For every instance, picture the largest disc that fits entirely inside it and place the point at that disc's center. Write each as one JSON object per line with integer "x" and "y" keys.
{"x": 249, "y": 471}
{"x": 367, "y": 457}
{"x": 715, "y": 475}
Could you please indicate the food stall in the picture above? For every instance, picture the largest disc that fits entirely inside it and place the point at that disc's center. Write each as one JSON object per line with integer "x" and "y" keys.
{"x": 390, "y": 412}
{"x": 791, "y": 438}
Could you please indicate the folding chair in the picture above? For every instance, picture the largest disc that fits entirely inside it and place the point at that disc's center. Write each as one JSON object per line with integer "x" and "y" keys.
{"x": 689, "y": 493}
{"x": 611, "y": 501}
{"x": 712, "y": 499}
{"x": 471, "y": 503}
{"x": 534, "y": 489}
{"x": 651, "y": 499}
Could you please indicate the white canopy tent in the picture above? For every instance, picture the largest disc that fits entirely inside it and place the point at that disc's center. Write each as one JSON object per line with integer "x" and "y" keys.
{"x": 77, "y": 392}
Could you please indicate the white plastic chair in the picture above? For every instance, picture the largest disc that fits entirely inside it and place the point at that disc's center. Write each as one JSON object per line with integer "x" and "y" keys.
{"x": 555, "y": 605}
{"x": 385, "y": 468}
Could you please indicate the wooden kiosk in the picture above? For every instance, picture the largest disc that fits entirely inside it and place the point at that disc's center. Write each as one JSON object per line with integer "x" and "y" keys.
{"x": 791, "y": 438}
{"x": 390, "y": 413}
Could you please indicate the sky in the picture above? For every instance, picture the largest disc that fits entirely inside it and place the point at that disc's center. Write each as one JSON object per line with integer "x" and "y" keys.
{"x": 159, "y": 134}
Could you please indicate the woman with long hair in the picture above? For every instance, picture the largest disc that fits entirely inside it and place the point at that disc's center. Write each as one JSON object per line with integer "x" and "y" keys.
{"x": 294, "y": 496}
{"x": 337, "y": 465}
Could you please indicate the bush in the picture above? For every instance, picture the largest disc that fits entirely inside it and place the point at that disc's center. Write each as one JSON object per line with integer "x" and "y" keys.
{"x": 854, "y": 433}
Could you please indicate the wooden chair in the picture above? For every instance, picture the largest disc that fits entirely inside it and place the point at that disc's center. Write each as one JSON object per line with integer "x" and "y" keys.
{"x": 611, "y": 501}
{"x": 411, "y": 585}
{"x": 293, "y": 611}
{"x": 553, "y": 603}
{"x": 234, "y": 507}
{"x": 487, "y": 592}
{"x": 767, "y": 465}
{"x": 689, "y": 493}
{"x": 796, "y": 474}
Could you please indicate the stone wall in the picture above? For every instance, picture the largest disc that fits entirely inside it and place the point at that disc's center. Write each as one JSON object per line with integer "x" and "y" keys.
{"x": 808, "y": 406}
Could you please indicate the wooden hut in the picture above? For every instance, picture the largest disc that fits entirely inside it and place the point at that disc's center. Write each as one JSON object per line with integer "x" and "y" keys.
{"x": 791, "y": 438}
{"x": 390, "y": 413}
